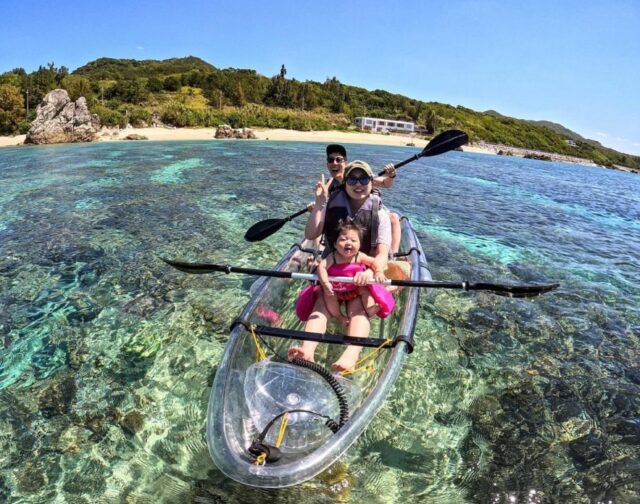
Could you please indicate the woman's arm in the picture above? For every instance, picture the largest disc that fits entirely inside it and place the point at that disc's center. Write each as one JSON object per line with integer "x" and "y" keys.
{"x": 382, "y": 246}
{"x": 380, "y": 262}
{"x": 365, "y": 259}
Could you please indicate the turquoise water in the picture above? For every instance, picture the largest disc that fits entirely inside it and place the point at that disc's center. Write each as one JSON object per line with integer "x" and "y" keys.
{"x": 107, "y": 355}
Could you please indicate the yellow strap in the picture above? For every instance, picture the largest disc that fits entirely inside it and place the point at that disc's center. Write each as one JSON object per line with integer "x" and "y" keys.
{"x": 260, "y": 353}
{"x": 358, "y": 366}
{"x": 260, "y": 459}
{"x": 283, "y": 427}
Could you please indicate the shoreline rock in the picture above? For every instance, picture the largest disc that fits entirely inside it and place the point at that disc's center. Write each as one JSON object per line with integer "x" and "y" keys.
{"x": 506, "y": 150}
{"x": 226, "y": 131}
{"x": 60, "y": 120}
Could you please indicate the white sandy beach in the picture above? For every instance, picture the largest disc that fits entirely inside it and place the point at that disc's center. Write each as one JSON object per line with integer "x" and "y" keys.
{"x": 262, "y": 134}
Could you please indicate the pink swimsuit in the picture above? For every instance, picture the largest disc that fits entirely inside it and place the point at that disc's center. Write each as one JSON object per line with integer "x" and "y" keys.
{"x": 344, "y": 291}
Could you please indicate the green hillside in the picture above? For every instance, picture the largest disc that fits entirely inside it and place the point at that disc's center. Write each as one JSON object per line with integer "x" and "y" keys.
{"x": 191, "y": 92}
{"x": 121, "y": 69}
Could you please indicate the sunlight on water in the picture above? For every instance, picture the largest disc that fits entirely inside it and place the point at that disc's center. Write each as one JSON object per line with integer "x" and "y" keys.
{"x": 108, "y": 355}
{"x": 478, "y": 245}
{"x": 172, "y": 174}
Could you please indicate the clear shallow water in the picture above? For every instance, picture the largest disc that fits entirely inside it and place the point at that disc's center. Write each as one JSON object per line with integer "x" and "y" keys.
{"x": 107, "y": 356}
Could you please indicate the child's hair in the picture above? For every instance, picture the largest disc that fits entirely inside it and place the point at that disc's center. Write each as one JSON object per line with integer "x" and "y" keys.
{"x": 348, "y": 225}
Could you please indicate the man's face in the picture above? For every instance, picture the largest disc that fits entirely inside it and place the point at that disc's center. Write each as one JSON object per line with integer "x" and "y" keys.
{"x": 336, "y": 163}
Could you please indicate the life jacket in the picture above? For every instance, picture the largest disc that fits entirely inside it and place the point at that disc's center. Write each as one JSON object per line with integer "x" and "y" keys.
{"x": 345, "y": 291}
{"x": 335, "y": 186}
{"x": 366, "y": 217}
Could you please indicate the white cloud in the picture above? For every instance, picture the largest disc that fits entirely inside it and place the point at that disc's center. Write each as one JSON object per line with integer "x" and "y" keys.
{"x": 140, "y": 48}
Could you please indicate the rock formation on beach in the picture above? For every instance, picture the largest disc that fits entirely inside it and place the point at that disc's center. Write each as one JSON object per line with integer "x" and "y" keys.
{"x": 60, "y": 120}
{"x": 135, "y": 136}
{"x": 226, "y": 131}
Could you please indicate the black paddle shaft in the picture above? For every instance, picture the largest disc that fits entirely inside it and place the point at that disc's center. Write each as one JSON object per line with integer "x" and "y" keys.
{"x": 518, "y": 291}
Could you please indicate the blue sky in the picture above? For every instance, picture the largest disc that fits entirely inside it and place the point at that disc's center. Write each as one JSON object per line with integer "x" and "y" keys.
{"x": 575, "y": 62}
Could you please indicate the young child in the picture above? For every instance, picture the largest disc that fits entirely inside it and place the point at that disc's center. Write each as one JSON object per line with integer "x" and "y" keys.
{"x": 373, "y": 299}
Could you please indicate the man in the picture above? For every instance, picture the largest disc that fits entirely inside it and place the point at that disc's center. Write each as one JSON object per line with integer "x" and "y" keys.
{"x": 337, "y": 160}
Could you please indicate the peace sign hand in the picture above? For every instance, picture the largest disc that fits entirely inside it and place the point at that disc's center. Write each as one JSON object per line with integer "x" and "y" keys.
{"x": 322, "y": 190}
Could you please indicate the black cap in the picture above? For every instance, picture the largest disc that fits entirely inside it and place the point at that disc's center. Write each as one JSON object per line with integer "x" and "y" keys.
{"x": 337, "y": 148}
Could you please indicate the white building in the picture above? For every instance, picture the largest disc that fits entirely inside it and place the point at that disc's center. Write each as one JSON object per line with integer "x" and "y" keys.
{"x": 382, "y": 125}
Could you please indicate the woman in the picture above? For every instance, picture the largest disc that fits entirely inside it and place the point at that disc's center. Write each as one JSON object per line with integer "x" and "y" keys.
{"x": 354, "y": 201}
{"x": 336, "y": 164}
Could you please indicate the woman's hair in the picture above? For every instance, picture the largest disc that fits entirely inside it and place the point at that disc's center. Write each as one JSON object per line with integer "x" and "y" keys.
{"x": 348, "y": 225}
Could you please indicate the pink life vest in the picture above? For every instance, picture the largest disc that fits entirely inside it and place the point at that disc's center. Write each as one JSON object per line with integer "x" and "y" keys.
{"x": 307, "y": 298}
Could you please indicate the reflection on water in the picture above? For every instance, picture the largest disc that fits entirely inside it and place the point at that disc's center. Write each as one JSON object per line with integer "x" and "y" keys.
{"x": 107, "y": 356}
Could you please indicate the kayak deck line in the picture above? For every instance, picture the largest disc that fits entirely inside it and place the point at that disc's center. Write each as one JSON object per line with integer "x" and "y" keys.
{"x": 330, "y": 338}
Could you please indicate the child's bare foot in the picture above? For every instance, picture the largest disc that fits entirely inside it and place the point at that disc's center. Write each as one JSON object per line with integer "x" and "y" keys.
{"x": 347, "y": 360}
{"x": 300, "y": 353}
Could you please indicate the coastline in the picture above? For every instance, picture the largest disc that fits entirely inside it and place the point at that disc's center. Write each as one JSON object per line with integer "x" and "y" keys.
{"x": 280, "y": 135}
{"x": 331, "y": 136}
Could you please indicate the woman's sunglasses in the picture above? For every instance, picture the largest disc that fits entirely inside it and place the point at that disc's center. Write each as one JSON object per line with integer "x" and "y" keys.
{"x": 364, "y": 180}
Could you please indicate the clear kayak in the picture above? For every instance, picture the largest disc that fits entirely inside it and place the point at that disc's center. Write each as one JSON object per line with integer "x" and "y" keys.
{"x": 272, "y": 423}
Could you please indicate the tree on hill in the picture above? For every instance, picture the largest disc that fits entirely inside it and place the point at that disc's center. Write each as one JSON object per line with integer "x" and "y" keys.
{"x": 129, "y": 91}
{"x": 11, "y": 109}
{"x": 77, "y": 86}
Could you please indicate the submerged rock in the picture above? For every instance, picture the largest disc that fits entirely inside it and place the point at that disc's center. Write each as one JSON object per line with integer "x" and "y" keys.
{"x": 58, "y": 398}
{"x": 587, "y": 450}
{"x": 60, "y": 120}
{"x": 132, "y": 422}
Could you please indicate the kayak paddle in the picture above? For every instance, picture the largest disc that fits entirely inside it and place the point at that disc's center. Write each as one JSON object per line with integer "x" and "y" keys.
{"x": 263, "y": 229}
{"x": 444, "y": 142}
{"x": 515, "y": 291}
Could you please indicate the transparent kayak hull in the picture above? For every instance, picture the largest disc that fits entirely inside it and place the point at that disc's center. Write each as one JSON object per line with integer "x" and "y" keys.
{"x": 248, "y": 393}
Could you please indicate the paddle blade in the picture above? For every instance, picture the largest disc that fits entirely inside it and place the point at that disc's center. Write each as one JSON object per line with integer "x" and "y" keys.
{"x": 195, "y": 268}
{"x": 263, "y": 229}
{"x": 445, "y": 142}
{"x": 515, "y": 291}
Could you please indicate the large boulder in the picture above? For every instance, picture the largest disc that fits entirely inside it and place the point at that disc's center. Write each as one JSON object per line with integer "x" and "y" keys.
{"x": 59, "y": 120}
{"x": 226, "y": 131}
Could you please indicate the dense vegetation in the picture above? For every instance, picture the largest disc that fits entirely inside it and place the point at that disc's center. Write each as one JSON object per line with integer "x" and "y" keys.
{"x": 191, "y": 92}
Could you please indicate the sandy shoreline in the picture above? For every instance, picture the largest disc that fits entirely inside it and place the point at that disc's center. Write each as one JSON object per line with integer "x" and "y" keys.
{"x": 168, "y": 134}
{"x": 161, "y": 134}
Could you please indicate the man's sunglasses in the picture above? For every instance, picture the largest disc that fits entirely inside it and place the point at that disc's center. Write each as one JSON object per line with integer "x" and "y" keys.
{"x": 337, "y": 159}
{"x": 364, "y": 180}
